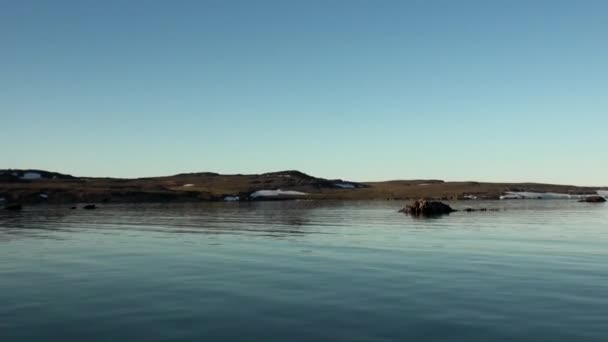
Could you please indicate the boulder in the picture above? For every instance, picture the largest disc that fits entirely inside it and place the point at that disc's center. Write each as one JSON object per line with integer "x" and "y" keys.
{"x": 90, "y": 207}
{"x": 593, "y": 199}
{"x": 427, "y": 208}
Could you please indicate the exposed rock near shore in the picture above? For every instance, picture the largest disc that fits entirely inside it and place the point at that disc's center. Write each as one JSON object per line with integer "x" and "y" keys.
{"x": 427, "y": 208}
{"x": 593, "y": 199}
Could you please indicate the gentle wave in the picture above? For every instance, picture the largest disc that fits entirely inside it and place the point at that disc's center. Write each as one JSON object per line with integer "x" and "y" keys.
{"x": 305, "y": 270}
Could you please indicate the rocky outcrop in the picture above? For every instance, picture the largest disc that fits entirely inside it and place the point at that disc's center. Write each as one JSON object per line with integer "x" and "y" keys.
{"x": 593, "y": 199}
{"x": 90, "y": 207}
{"x": 427, "y": 208}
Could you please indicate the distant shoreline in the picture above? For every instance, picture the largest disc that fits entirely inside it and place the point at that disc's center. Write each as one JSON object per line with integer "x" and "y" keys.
{"x": 39, "y": 186}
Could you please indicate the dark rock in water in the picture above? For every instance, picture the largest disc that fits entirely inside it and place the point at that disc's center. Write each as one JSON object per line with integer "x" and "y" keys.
{"x": 90, "y": 206}
{"x": 593, "y": 199}
{"x": 468, "y": 210}
{"x": 427, "y": 208}
{"x": 74, "y": 207}
{"x": 14, "y": 207}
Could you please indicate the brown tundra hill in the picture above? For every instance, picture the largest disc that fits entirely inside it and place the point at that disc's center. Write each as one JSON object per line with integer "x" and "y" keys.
{"x": 39, "y": 186}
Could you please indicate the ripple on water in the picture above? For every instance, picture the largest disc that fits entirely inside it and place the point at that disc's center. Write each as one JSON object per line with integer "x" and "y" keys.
{"x": 305, "y": 270}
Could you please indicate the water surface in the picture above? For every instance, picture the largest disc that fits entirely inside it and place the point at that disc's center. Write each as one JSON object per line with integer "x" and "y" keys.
{"x": 304, "y": 271}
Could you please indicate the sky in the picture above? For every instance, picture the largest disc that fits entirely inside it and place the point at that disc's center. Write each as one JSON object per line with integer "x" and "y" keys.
{"x": 360, "y": 90}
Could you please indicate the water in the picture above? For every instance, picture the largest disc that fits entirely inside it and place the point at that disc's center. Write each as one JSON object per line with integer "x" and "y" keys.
{"x": 304, "y": 271}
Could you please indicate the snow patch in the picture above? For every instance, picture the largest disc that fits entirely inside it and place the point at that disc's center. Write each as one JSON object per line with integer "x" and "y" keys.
{"x": 603, "y": 193}
{"x": 470, "y": 197}
{"x": 278, "y": 192}
{"x": 44, "y": 195}
{"x": 2, "y": 199}
{"x": 187, "y": 185}
{"x": 231, "y": 198}
{"x": 511, "y": 196}
{"x": 423, "y": 184}
{"x": 539, "y": 195}
{"x": 31, "y": 175}
{"x": 345, "y": 185}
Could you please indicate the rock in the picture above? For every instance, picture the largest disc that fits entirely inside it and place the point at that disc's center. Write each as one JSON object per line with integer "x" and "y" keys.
{"x": 90, "y": 207}
{"x": 468, "y": 210}
{"x": 593, "y": 199}
{"x": 74, "y": 207}
{"x": 427, "y": 208}
{"x": 14, "y": 207}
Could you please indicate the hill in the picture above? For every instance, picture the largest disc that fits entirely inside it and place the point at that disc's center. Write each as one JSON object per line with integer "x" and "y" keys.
{"x": 39, "y": 186}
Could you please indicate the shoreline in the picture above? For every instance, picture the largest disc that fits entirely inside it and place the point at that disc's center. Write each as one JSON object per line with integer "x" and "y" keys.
{"x": 38, "y": 187}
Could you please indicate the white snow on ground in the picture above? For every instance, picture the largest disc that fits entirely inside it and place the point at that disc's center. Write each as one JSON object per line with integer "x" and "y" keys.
{"x": 345, "y": 185}
{"x": 510, "y": 196}
{"x": 539, "y": 195}
{"x": 31, "y": 175}
{"x": 279, "y": 192}
{"x": 44, "y": 195}
{"x": 187, "y": 185}
{"x": 471, "y": 197}
{"x": 231, "y": 198}
{"x": 603, "y": 193}
{"x": 424, "y": 184}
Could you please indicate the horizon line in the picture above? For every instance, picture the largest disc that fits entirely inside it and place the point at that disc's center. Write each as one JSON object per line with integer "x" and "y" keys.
{"x": 305, "y": 173}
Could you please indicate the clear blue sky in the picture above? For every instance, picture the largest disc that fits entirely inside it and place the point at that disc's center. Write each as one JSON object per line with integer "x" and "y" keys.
{"x": 361, "y": 90}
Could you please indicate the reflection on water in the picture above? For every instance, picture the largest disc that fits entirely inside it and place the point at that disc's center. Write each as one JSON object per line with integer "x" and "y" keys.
{"x": 305, "y": 270}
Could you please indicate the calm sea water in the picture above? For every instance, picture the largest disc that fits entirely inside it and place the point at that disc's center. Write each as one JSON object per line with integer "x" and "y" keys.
{"x": 304, "y": 271}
